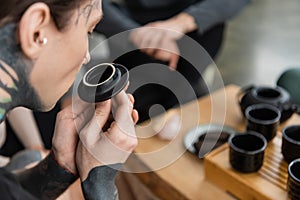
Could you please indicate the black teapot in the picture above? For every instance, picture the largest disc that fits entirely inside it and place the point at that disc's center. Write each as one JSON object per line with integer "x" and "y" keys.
{"x": 276, "y": 96}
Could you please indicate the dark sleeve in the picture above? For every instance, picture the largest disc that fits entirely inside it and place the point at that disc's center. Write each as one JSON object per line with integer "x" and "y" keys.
{"x": 10, "y": 189}
{"x": 114, "y": 20}
{"x": 100, "y": 183}
{"x": 212, "y": 12}
{"x": 47, "y": 180}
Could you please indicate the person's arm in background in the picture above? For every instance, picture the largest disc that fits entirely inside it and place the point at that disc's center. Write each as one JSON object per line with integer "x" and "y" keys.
{"x": 211, "y": 12}
{"x": 114, "y": 21}
{"x": 161, "y": 36}
{"x": 203, "y": 15}
{"x": 23, "y": 123}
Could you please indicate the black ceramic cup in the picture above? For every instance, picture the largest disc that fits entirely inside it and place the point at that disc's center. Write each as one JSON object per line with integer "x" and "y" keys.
{"x": 264, "y": 119}
{"x": 102, "y": 82}
{"x": 293, "y": 182}
{"x": 290, "y": 146}
{"x": 246, "y": 152}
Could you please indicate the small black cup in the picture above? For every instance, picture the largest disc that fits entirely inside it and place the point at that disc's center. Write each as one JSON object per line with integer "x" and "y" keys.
{"x": 293, "y": 182}
{"x": 246, "y": 152}
{"x": 264, "y": 119}
{"x": 102, "y": 82}
{"x": 290, "y": 146}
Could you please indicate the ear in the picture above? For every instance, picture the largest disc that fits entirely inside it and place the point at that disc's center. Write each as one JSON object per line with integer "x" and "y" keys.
{"x": 33, "y": 28}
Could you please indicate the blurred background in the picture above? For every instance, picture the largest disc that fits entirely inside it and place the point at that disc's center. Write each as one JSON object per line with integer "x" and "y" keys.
{"x": 261, "y": 43}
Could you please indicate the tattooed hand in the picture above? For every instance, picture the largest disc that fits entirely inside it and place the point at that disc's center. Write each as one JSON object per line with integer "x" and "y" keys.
{"x": 95, "y": 147}
{"x": 113, "y": 146}
{"x": 68, "y": 122}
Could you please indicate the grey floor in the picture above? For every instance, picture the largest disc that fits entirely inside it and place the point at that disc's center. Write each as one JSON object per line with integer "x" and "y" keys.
{"x": 261, "y": 42}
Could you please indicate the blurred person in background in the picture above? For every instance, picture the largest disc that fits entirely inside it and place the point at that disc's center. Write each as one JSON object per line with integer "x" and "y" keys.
{"x": 156, "y": 28}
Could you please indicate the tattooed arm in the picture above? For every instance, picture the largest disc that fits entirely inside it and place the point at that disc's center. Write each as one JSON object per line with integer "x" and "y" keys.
{"x": 100, "y": 183}
{"x": 52, "y": 176}
{"x": 47, "y": 180}
{"x": 98, "y": 157}
{"x": 103, "y": 153}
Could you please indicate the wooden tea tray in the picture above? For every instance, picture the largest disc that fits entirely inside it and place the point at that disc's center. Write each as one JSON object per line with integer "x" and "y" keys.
{"x": 269, "y": 183}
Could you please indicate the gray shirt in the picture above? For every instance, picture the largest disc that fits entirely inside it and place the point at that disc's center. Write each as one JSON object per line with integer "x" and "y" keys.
{"x": 134, "y": 13}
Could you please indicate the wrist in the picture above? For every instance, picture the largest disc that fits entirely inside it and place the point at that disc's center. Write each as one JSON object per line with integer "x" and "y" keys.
{"x": 100, "y": 183}
{"x": 64, "y": 163}
{"x": 47, "y": 180}
{"x": 85, "y": 168}
{"x": 186, "y": 22}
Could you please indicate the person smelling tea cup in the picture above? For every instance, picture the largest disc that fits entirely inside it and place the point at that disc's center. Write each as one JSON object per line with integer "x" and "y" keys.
{"x": 43, "y": 45}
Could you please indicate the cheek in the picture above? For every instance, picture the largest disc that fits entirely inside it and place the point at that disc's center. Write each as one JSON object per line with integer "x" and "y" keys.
{"x": 77, "y": 49}
{"x": 74, "y": 53}
{"x": 55, "y": 70}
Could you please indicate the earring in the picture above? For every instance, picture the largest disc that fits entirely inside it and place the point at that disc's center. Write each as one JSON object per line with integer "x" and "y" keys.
{"x": 42, "y": 42}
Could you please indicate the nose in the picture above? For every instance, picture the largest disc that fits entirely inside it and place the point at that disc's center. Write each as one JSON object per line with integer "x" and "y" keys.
{"x": 87, "y": 58}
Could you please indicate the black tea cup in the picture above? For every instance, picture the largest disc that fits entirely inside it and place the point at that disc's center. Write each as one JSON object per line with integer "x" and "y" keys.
{"x": 246, "y": 153}
{"x": 264, "y": 119}
{"x": 290, "y": 147}
{"x": 293, "y": 182}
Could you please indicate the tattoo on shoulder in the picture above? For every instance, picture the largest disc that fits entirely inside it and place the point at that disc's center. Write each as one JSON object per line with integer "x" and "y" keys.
{"x": 86, "y": 11}
{"x": 2, "y": 113}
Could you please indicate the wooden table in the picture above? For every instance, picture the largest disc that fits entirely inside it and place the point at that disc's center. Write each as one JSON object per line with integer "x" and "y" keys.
{"x": 175, "y": 173}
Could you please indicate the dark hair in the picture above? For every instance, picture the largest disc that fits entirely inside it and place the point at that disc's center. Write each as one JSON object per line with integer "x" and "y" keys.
{"x": 12, "y": 10}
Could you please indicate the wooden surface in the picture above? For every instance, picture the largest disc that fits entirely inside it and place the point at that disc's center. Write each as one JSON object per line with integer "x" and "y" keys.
{"x": 176, "y": 173}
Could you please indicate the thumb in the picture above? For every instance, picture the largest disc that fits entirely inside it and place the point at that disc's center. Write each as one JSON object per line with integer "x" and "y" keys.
{"x": 122, "y": 113}
{"x": 173, "y": 61}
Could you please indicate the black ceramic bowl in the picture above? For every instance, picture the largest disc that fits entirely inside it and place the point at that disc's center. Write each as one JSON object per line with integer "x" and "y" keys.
{"x": 102, "y": 82}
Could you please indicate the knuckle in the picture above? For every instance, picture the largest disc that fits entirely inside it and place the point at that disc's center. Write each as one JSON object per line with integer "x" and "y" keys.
{"x": 133, "y": 143}
{"x": 101, "y": 113}
{"x": 61, "y": 115}
{"x": 122, "y": 139}
{"x": 130, "y": 105}
{"x": 127, "y": 142}
{"x": 84, "y": 139}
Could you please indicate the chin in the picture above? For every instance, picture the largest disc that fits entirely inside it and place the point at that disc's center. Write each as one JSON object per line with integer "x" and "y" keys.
{"x": 44, "y": 107}
{"x": 48, "y": 108}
